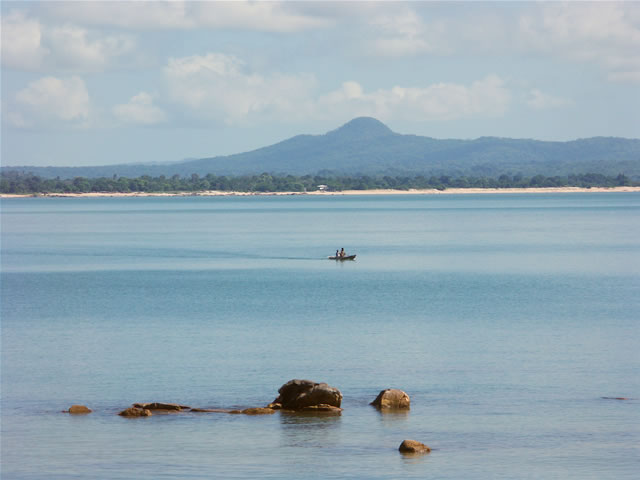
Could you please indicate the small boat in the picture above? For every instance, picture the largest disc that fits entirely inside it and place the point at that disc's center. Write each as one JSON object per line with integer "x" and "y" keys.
{"x": 346, "y": 257}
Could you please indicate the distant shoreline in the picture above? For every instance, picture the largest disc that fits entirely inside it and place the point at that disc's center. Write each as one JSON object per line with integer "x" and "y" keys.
{"x": 217, "y": 193}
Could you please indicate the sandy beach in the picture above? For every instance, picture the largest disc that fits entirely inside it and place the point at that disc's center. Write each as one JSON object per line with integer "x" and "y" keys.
{"x": 217, "y": 193}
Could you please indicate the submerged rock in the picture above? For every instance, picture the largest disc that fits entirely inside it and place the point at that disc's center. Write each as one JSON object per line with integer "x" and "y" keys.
{"x": 392, "y": 398}
{"x": 135, "y": 412}
{"x": 79, "y": 410}
{"x": 413, "y": 446}
{"x": 255, "y": 411}
{"x": 210, "y": 410}
{"x": 162, "y": 406}
{"x": 298, "y": 394}
{"x": 322, "y": 408}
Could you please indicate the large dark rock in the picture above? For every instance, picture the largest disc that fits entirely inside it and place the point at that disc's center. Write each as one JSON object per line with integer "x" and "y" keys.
{"x": 413, "y": 446}
{"x": 298, "y": 394}
{"x": 392, "y": 398}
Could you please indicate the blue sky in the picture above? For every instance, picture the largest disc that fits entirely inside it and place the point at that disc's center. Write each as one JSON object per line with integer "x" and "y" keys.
{"x": 96, "y": 83}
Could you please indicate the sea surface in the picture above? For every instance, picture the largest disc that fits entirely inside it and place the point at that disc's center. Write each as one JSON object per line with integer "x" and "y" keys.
{"x": 506, "y": 318}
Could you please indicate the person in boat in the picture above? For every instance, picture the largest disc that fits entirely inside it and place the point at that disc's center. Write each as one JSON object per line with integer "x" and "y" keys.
{"x": 337, "y": 253}
{"x": 342, "y": 253}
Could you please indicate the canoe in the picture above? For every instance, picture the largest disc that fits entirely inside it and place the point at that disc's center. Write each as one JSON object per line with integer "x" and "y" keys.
{"x": 348, "y": 257}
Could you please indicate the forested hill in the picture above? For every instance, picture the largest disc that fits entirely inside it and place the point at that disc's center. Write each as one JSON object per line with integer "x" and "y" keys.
{"x": 365, "y": 146}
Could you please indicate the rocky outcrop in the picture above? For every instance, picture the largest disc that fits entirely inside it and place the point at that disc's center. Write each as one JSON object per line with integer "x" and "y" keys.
{"x": 79, "y": 410}
{"x": 392, "y": 398}
{"x": 171, "y": 407}
{"x": 135, "y": 412}
{"x": 298, "y": 394}
{"x": 413, "y": 446}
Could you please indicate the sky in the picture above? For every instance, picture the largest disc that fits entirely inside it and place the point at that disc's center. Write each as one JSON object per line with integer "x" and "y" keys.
{"x": 98, "y": 83}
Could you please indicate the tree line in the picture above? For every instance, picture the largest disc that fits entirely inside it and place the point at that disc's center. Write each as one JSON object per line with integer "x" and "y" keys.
{"x": 13, "y": 182}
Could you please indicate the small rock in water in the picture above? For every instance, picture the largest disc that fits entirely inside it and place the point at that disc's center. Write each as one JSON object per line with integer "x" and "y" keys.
{"x": 392, "y": 398}
{"x": 136, "y": 412}
{"x": 413, "y": 446}
{"x": 79, "y": 410}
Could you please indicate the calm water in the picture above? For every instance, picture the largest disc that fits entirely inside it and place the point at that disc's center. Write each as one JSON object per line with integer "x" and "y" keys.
{"x": 505, "y": 317}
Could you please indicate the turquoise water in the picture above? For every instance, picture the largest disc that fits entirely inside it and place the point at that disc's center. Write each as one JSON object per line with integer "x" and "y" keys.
{"x": 506, "y": 318}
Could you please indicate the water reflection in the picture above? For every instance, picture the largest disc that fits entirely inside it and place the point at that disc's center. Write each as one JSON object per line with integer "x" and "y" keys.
{"x": 392, "y": 417}
{"x": 318, "y": 430}
{"x": 414, "y": 458}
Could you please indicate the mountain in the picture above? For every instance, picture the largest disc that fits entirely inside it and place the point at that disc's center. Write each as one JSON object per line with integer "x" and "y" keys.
{"x": 367, "y": 146}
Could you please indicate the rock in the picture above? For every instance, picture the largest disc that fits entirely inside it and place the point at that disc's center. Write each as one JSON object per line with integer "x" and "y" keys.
{"x": 297, "y": 394}
{"x": 136, "y": 412}
{"x": 413, "y": 446}
{"x": 79, "y": 410}
{"x": 321, "y": 409}
{"x": 275, "y": 406}
{"x": 392, "y": 398}
{"x": 255, "y": 411}
{"x": 162, "y": 406}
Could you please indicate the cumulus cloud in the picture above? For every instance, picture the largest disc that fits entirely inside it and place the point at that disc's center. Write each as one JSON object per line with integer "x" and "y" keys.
{"x": 543, "y": 101}
{"x": 488, "y": 97}
{"x": 22, "y": 42}
{"x": 604, "y": 33}
{"x": 29, "y": 45}
{"x": 77, "y": 49}
{"x": 140, "y": 110}
{"x": 221, "y": 87}
{"x": 51, "y": 100}
{"x": 218, "y": 86}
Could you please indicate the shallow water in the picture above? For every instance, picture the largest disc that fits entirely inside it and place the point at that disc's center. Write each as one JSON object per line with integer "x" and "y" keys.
{"x": 506, "y": 318}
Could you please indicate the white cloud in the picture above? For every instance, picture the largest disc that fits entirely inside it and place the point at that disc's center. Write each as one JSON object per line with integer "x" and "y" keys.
{"x": 218, "y": 86}
{"x": 124, "y": 14}
{"x": 76, "y": 49}
{"x": 50, "y": 100}
{"x": 604, "y": 33}
{"x": 22, "y": 42}
{"x": 140, "y": 110}
{"x": 543, "y": 101}
{"x": 488, "y": 97}
{"x": 400, "y": 34}
{"x": 29, "y": 45}
{"x": 259, "y": 16}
